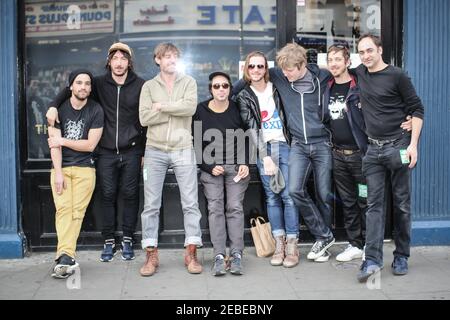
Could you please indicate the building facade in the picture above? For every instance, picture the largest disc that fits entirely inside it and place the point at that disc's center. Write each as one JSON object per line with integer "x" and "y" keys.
{"x": 44, "y": 40}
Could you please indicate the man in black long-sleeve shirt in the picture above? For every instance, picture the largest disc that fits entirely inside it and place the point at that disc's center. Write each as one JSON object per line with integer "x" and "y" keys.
{"x": 387, "y": 97}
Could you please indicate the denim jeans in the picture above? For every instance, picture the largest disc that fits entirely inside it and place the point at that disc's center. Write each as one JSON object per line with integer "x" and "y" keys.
{"x": 348, "y": 178}
{"x": 379, "y": 164}
{"x": 282, "y": 212}
{"x": 156, "y": 163}
{"x": 304, "y": 159}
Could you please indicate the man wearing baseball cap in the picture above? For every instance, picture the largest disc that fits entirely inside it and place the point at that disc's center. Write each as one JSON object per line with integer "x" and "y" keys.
{"x": 72, "y": 177}
{"x": 121, "y": 147}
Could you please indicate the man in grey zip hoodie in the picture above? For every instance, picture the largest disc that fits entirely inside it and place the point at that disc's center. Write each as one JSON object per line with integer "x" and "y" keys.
{"x": 166, "y": 106}
{"x": 301, "y": 88}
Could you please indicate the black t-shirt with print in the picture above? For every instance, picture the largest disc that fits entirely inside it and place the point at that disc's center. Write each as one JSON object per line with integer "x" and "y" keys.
{"x": 75, "y": 125}
{"x": 340, "y": 128}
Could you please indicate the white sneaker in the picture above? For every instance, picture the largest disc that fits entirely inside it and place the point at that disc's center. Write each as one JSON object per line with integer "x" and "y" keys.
{"x": 349, "y": 254}
{"x": 323, "y": 258}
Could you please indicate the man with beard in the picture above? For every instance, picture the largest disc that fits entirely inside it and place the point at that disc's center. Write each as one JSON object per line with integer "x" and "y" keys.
{"x": 121, "y": 147}
{"x": 73, "y": 175}
{"x": 167, "y": 104}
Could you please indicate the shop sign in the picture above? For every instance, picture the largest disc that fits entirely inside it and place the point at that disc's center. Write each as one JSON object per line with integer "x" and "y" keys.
{"x": 59, "y": 18}
{"x": 173, "y": 15}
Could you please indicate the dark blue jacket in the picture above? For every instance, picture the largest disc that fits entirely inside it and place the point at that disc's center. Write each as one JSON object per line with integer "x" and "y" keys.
{"x": 354, "y": 112}
{"x": 304, "y": 112}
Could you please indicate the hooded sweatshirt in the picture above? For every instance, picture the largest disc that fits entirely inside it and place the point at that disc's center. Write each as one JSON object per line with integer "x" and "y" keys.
{"x": 303, "y": 103}
{"x": 122, "y": 131}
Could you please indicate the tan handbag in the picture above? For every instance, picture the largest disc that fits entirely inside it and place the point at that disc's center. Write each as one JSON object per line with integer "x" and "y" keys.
{"x": 262, "y": 237}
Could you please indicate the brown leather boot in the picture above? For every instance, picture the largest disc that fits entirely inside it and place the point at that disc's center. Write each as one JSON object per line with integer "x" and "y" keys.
{"x": 279, "y": 255}
{"x": 151, "y": 262}
{"x": 190, "y": 259}
{"x": 292, "y": 253}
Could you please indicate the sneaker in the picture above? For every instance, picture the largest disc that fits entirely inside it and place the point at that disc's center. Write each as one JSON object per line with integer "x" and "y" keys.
{"x": 65, "y": 267}
{"x": 109, "y": 251}
{"x": 323, "y": 258}
{"x": 236, "y": 264}
{"x": 349, "y": 254}
{"x": 367, "y": 269}
{"x": 400, "y": 266}
{"x": 319, "y": 248}
{"x": 218, "y": 268}
{"x": 127, "y": 249}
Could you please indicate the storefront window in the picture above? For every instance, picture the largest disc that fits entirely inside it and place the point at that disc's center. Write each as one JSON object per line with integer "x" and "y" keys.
{"x": 64, "y": 35}
{"x": 321, "y": 23}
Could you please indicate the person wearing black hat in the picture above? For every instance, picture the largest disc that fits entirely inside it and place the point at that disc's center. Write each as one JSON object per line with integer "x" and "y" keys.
{"x": 72, "y": 178}
{"x": 121, "y": 147}
{"x": 224, "y": 171}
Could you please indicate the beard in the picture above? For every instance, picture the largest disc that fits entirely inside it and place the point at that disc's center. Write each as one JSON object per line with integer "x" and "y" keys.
{"x": 81, "y": 98}
{"x": 257, "y": 79}
{"x": 120, "y": 72}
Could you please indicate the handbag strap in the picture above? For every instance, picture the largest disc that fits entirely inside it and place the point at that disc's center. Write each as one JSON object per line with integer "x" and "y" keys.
{"x": 258, "y": 218}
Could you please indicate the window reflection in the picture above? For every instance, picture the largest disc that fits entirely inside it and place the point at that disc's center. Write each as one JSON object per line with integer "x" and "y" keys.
{"x": 64, "y": 35}
{"x": 322, "y": 23}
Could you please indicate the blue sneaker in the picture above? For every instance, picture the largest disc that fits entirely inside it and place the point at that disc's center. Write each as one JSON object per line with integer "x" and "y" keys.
{"x": 368, "y": 268}
{"x": 127, "y": 249}
{"x": 400, "y": 266}
{"x": 109, "y": 251}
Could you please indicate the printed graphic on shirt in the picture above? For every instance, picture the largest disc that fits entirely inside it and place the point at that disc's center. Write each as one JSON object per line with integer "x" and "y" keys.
{"x": 73, "y": 130}
{"x": 337, "y": 107}
{"x": 271, "y": 121}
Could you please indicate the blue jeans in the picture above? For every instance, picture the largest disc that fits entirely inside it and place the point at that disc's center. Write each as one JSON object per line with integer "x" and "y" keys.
{"x": 283, "y": 222}
{"x": 303, "y": 159}
{"x": 379, "y": 164}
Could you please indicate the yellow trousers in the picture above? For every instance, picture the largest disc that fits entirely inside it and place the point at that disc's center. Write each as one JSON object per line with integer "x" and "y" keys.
{"x": 71, "y": 206}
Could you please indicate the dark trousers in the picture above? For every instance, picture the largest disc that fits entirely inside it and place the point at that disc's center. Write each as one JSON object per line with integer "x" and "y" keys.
{"x": 304, "y": 159}
{"x": 381, "y": 163}
{"x": 350, "y": 184}
{"x": 119, "y": 174}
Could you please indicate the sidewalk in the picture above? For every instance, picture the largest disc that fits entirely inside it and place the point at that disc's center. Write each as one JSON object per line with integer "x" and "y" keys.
{"x": 29, "y": 278}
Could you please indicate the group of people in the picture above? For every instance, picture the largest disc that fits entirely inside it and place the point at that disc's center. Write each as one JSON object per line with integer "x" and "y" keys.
{"x": 358, "y": 126}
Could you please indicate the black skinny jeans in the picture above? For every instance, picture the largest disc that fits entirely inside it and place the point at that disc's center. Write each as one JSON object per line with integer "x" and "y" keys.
{"x": 381, "y": 163}
{"x": 349, "y": 181}
{"x": 119, "y": 173}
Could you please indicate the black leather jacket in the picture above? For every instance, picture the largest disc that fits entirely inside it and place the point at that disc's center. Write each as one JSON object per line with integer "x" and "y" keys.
{"x": 251, "y": 115}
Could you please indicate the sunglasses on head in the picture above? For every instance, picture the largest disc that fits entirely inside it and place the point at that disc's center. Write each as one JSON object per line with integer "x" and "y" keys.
{"x": 340, "y": 46}
{"x": 259, "y": 66}
{"x": 217, "y": 86}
